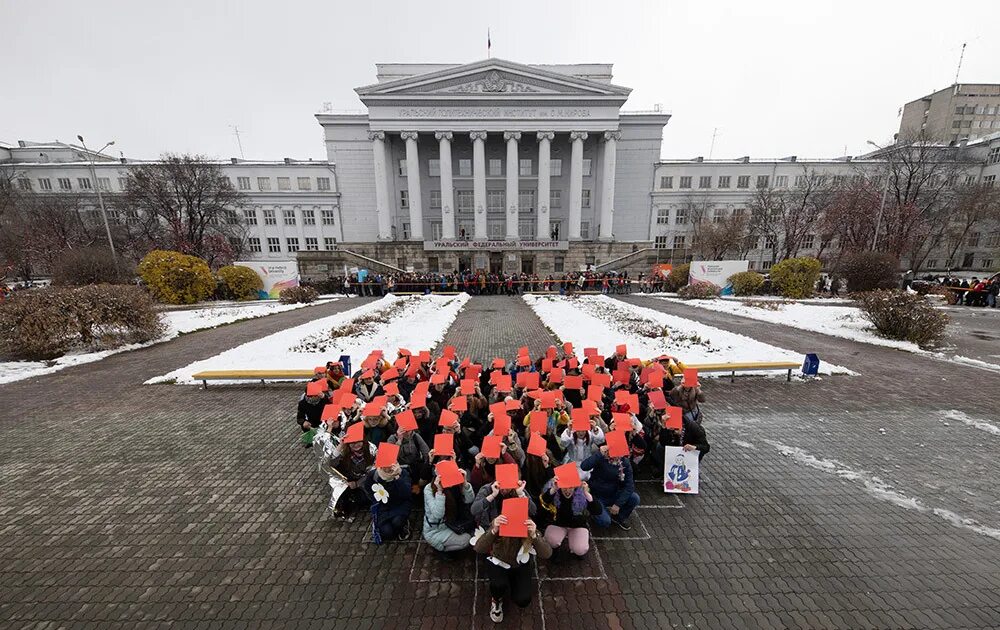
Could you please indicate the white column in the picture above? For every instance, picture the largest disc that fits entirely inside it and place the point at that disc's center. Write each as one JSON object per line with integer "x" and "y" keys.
{"x": 479, "y": 182}
{"x": 608, "y": 183}
{"x": 447, "y": 189}
{"x": 383, "y": 203}
{"x": 512, "y": 182}
{"x": 413, "y": 185}
{"x": 576, "y": 184}
{"x": 544, "y": 183}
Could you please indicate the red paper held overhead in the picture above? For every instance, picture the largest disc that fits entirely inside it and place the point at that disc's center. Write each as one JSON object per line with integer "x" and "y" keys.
{"x": 387, "y": 455}
{"x": 617, "y": 443}
{"x": 537, "y": 445}
{"x": 444, "y": 444}
{"x": 538, "y": 421}
{"x": 516, "y": 511}
{"x": 567, "y": 476}
{"x": 449, "y": 473}
{"x": 406, "y": 420}
{"x": 491, "y": 447}
{"x": 447, "y": 418}
{"x": 674, "y": 418}
{"x": 507, "y": 476}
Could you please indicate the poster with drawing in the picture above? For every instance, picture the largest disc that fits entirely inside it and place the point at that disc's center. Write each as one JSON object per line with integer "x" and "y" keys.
{"x": 680, "y": 470}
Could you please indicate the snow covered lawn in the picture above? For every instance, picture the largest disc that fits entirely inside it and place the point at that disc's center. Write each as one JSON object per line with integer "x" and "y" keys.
{"x": 177, "y": 322}
{"x": 602, "y": 322}
{"x": 414, "y": 322}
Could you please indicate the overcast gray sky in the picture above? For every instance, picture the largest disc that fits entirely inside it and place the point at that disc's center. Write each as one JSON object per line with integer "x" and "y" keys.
{"x": 775, "y": 78}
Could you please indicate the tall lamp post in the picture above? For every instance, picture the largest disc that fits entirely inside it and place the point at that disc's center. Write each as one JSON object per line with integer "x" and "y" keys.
{"x": 885, "y": 193}
{"x": 100, "y": 198}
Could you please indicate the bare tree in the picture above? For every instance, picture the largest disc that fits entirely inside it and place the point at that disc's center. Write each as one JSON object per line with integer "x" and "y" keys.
{"x": 183, "y": 202}
{"x": 974, "y": 206}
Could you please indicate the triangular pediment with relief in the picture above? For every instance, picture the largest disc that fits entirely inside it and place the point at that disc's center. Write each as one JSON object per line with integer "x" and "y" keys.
{"x": 492, "y": 78}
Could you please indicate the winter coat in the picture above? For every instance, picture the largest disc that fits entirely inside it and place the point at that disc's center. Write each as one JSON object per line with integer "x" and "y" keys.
{"x": 400, "y": 493}
{"x": 694, "y": 434}
{"x": 576, "y": 451}
{"x": 486, "y": 511}
{"x": 367, "y": 392}
{"x": 479, "y": 476}
{"x": 604, "y": 482}
{"x": 687, "y": 398}
{"x": 312, "y": 413}
{"x": 565, "y": 515}
{"x": 412, "y": 450}
{"x": 436, "y": 532}
{"x": 506, "y": 549}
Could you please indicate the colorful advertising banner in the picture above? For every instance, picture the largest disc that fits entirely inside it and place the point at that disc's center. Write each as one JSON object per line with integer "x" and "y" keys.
{"x": 717, "y": 272}
{"x": 276, "y": 276}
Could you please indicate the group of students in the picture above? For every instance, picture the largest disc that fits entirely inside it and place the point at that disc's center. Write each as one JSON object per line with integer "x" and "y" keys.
{"x": 480, "y": 283}
{"x": 512, "y": 458}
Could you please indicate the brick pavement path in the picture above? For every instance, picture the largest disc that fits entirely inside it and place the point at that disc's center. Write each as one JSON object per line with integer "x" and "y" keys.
{"x": 127, "y": 506}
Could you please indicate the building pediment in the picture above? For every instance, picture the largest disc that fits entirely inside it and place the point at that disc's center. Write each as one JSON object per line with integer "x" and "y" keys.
{"x": 492, "y": 78}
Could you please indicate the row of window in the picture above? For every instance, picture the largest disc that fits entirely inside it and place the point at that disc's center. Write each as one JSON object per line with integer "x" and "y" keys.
{"x": 243, "y": 183}
{"x": 968, "y": 262}
{"x": 681, "y": 215}
{"x": 496, "y": 229}
{"x": 981, "y": 110}
{"x": 496, "y": 200}
{"x": 289, "y": 217}
{"x": 781, "y": 181}
{"x": 284, "y": 183}
{"x": 975, "y": 124}
{"x": 679, "y": 241}
{"x": 291, "y": 245}
{"x": 495, "y": 167}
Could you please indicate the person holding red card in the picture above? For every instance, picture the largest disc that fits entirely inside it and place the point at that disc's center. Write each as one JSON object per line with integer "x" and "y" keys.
{"x": 691, "y": 435}
{"x": 493, "y": 452}
{"x": 581, "y": 440}
{"x": 611, "y": 481}
{"x": 508, "y": 545}
{"x": 387, "y": 487}
{"x": 574, "y": 506}
{"x": 366, "y": 388}
{"x": 352, "y": 458}
{"x": 688, "y": 395}
{"x": 448, "y": 521}
{"x": 507, "y": 485}
{"x": 413, "y": 450}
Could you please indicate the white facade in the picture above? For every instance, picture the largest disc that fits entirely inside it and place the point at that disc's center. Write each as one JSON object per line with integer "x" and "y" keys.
{"x": 494, "y": 150}
{"x": 291, "y": 206}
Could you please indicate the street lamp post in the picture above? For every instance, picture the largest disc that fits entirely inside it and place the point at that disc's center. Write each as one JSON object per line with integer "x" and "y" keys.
{"x": 885, "y": 194}
{"x": 100, "y": 198}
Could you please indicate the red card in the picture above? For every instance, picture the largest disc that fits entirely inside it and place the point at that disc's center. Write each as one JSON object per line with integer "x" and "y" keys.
{"x": 690, "y": 377}
{"x": 573, "y": 363}
{"x": 419, "y": 396}
{"x": 655, "y": 380}
{"x": 595, "y": 393}
{"x": 587, "y": 352}
{"x": 516, "y": 511}
{"x": 599, "y": 378}
{"x": 388, "y": 454}
{"x": 550, "y": 352}
{"x": 548, "y": 400}
{"x": 355, "y": 433}
{"x": 330, "y": 412}
{"x": 538, "y": 421}
{"x": 501, "y": 424}
{"x": 390, "y": 374}
{"x": 444, "y": 444}
{"x": 590, "y": 406}
{"x": 498, "y": 363}
{"x": 512, "y": 405}
{"x": 622, "y": 374}
{"x": 567, "y": 348}
{"x": 491, "y": 446}
{"x": 320, "y": 369}
{"x": 459, "y": 404}
{"x": 406, "y": 421}
{"x": 621, "y": 421}
{"x": 657, "y": 400}
{"x": 581, "y": 420}
{"x": 567, "y": 476}
{"x": 424, "y": 356}
{"x": 468, "y": 387}
{"x": 556, "y": 376}
{"x": 537, "y": 445}
{"x": 617, "y": 444}
{"x": 522, "y": 351}
{"x": 438, "y": 378}
{"x": 472, "y": 372}
{"x": 523, "y": 361}
{"x": 372, "y": 409}
{"x": 450, "y": 473}
{"x": 449, "y": 352}
{"x": 507, "y": 477}
{"x": 403, "y": 352}
{"x": 494, "y": 375}
{"x": 528, "y": 380}
{"x": 502, "y": 383}
{"x": 621, "y": 397}
{"x": 498, "y": 409}
{"x": 573, "y": 382}
{"x": 621, "y": 350}
{"x": 547, "y": 365}
{"x": 392, "y": 389}
{"x": 441, "y": 365}
{"x": 466, "y": 362}
{"x": 447, "y": 418}
{"x": 674, "y": 419}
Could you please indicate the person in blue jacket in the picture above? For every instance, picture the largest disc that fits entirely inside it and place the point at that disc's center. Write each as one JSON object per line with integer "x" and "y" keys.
{"x": 389, "y": 490}
{"x": 612, "y": 484}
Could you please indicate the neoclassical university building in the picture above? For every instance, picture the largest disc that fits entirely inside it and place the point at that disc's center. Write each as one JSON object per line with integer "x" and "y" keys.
{"x": 492, "y": 165}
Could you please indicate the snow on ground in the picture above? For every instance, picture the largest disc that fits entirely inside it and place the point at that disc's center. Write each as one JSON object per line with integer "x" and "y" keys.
{"x": 764, "y": 298}
{"x": 837, "y": 321}
{"x": 982, "y": 425}
{"x": 177, "y": 322}
{"x": 881, "y": 490}
{"x": 602, "y": 322}
{"x": 419, "y": 324}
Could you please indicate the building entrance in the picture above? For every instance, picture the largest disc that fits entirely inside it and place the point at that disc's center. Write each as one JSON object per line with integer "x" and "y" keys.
{"x": 528, "y": 264}
{"x": 496, "y": 262}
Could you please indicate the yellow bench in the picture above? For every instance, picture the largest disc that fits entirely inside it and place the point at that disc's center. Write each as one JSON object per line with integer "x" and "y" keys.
{"x": 252, "y": 375}
{"x": 733, "y": 368}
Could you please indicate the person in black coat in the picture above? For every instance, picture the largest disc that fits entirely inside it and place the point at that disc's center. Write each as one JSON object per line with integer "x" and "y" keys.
{"x": 692, "y": 437}
{"x": 310, "y": 409}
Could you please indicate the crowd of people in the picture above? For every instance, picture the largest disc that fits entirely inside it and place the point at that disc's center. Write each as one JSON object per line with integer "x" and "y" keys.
{"x": 513, "y": 458}
{"x": 971, "y": 292}
{"x": 481, "y": 283}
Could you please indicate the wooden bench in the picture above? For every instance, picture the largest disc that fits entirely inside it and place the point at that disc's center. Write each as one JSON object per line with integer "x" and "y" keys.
{"x": 733, "y": 368}
{"x": 252, "y": 375}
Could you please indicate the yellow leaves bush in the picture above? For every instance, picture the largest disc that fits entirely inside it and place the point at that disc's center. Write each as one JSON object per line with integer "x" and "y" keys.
{"x": 239, "y": 283}
{"x": 176, "y": 278}
{"x": 796, "y": 277}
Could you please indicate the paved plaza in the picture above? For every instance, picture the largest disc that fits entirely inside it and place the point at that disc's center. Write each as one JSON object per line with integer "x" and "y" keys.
{"x": 854, "y": 502}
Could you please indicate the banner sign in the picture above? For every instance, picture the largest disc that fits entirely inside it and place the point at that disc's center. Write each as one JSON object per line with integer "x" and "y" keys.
{"x": 494, "y": 246}
{"x": 276, "y": 276}
{"x": 680, "y": 470}
{"x": 717, "y": 272}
